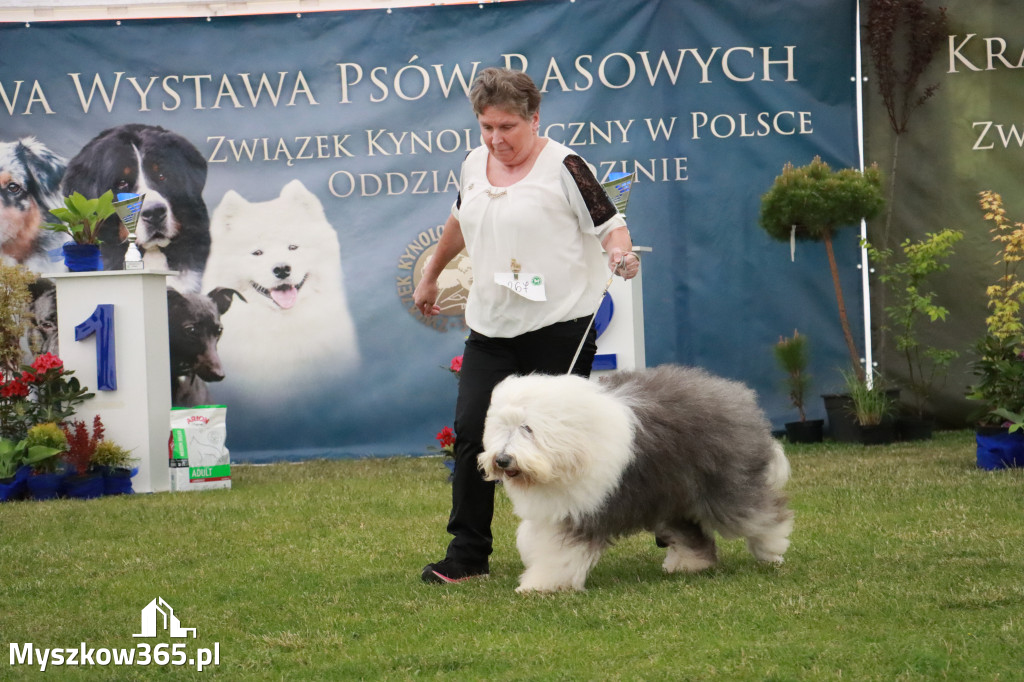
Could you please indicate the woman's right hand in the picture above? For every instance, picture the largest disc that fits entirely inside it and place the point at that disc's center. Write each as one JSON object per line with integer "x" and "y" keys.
{"x": 424, "y": 297}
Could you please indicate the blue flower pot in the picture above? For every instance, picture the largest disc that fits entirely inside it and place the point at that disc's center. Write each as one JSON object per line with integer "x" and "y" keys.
{"x": 82, "y": 257}
{"x": 118, "y": 481}
{"x": 83, "y": 486}
{"x": 44, "y": 486}
{"x": 13, "y": 488}
{"x": 999, "y": 449}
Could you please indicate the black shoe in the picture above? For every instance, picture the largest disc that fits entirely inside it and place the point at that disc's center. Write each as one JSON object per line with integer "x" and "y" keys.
{"x": 452, "y": 571}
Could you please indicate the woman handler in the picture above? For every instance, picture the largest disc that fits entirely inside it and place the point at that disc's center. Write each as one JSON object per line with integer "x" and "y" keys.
{"x": 533, "y": 219}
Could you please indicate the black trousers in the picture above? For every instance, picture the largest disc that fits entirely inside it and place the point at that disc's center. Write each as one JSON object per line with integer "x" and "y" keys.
{"x": 485, "y": 362}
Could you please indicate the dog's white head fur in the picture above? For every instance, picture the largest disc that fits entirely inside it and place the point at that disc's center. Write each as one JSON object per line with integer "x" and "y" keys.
{"x": 271, "y": 250}
{"x": 555, "y": 431}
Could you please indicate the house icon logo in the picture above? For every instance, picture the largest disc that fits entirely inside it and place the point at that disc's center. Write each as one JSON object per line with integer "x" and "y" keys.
{"x": 159, "y": 612}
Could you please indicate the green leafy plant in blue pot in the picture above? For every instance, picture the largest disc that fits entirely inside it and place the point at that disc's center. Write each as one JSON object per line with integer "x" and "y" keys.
{"x": 999, "y": 366}
{"x": 80, "y": 218}
{"x": 46, "y": 466}
{"x": 115, "y": 465}
{"x": 16, "y": 458}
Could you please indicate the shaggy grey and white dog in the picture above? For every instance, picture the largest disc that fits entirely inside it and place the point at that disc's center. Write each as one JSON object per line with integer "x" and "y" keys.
{"x": 671, "y": 450}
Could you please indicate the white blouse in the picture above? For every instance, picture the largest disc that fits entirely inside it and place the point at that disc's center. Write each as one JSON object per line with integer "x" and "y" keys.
{"x": 546, "y": 223}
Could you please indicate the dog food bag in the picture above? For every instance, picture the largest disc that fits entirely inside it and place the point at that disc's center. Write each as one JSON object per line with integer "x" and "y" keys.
{"x": 198, "y": 457}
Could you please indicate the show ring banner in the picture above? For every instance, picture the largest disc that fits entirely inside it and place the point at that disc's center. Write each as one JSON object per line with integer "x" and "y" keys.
{"x": 305, "y": 166}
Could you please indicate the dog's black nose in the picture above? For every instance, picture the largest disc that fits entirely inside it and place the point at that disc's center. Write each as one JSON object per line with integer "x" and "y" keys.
{"x": 503, "y": 461}
{"x": 282, "y": 271}
{"x": 155, "y": 214}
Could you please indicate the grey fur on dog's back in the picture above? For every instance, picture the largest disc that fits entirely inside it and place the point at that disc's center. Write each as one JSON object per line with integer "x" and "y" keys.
{"x": 702, "y": 453}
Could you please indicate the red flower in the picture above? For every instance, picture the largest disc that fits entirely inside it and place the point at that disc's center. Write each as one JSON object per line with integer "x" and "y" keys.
{"x": 47, "y": 361}
{"x": 446, "y": 437}
{"x": 456, "y": 364}
{"x": 14, "y": 389}
{"x": 27, "y": 378}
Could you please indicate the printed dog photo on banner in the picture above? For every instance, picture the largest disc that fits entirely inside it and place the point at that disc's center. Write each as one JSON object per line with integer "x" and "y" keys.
{"x": 30, "y": 176}
{"x": 41, "y": 336}
{"x": 174, "y": 229}
{"x": 194, "y": 328}
{"x": 291, "y": 327}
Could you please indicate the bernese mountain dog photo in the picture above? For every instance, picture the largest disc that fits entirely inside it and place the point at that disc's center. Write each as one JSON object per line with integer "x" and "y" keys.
{"x": 174, "y": 229}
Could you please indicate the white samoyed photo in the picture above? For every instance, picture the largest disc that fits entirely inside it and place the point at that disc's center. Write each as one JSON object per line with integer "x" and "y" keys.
{"x": 292, "y": 327}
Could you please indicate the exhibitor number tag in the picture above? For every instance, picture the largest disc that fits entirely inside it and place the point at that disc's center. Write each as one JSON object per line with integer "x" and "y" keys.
{"x": 528, "y": 285}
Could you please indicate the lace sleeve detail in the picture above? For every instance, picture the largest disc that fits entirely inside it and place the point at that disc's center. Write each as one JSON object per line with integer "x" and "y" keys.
{"x": 462, "y": 176}
{"x": 600, "y": 206}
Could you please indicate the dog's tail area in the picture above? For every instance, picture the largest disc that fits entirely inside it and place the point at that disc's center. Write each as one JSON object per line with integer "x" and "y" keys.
{"x": 778, "y": 469}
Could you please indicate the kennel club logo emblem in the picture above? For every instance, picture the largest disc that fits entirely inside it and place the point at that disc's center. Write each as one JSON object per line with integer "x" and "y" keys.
{"x": 453, "y": 284}
{"x": 158, "y": 614}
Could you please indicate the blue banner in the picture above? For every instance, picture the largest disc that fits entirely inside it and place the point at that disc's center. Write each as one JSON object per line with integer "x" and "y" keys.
{"x": 305, "y": 164}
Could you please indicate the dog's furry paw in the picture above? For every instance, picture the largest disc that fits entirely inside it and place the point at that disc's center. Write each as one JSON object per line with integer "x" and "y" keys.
{"x": 678, "y": 562}
{"x": 537, "y": 588}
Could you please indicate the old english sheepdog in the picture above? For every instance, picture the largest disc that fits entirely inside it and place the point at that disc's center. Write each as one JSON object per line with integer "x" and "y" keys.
{"x": 672, "y": 450}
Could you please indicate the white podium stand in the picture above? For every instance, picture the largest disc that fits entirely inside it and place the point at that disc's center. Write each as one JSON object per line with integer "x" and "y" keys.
{"x": 621, "y": 345}
{"x": 135, "y": 414}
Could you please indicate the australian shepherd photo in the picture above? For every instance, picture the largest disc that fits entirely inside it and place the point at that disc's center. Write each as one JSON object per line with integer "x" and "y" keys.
{"x": 30, "y": 176}
{"x": 671, "y": 450}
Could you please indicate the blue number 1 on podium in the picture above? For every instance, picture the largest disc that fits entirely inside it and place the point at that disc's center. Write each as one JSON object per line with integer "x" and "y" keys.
{"x": 101, "y": 323}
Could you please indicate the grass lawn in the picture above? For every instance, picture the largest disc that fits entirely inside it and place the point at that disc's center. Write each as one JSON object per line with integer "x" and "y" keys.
{"x": 907, "y": 563}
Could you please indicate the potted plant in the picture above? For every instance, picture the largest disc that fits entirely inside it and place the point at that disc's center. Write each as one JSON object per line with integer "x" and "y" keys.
{"x": 911, "y": 301}
{"x": 115, "y": 465}
{"x": 12, "y": 472}
{"x": 45, "y": 466}
{"x": 84, "y": 481}
{"x": 80, "y": 218}
{"x": 871, "y": 405}
{"x": 31, "y": 405}
{"x": 792, "y": 354}
{"x": 15, "y": 459}
{"x": 813, "y": 202}
{"x": 999, "y": 386}
{"x": 999, "y": 367}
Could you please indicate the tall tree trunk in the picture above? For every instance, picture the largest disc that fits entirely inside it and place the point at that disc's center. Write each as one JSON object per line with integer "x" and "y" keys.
{"x": 840, "y": 301}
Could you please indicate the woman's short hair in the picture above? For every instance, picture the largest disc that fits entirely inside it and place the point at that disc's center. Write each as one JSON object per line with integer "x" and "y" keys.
{"x": 505, "y": 89}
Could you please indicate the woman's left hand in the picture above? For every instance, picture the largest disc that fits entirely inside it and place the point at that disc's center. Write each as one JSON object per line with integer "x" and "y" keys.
{"x": 626, "y": 264}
